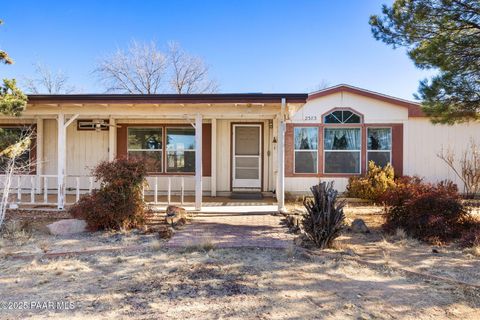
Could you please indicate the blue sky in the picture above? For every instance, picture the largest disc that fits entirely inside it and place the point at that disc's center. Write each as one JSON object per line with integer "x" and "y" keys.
{"x": 250, "y": 45}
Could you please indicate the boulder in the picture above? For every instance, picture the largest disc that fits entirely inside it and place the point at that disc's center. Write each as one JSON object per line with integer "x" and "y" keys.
{"x": 175, "y": 215}
{"x": 67, "y": 226}
{"x": 175, "y": 211}
{"x": 359, "y": 226}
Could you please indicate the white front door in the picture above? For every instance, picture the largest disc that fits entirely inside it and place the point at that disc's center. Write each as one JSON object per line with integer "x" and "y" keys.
{"x": 247, "y": 156}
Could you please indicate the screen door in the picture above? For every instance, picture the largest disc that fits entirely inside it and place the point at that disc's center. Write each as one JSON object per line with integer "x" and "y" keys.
{"x": 246, "y": 156}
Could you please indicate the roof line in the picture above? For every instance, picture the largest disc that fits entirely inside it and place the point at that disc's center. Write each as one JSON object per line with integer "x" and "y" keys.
{"x": 169, "y": 98}
{"x": 414, "y": 108}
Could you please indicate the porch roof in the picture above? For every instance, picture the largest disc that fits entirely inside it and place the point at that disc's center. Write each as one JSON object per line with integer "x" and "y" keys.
{"x": 168, "y": 98}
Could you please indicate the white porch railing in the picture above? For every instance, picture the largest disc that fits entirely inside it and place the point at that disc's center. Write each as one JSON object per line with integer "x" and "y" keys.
{"x": 42, "y": 189}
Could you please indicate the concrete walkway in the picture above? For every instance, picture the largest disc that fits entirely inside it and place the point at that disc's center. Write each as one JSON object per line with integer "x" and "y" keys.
{"x": 233, "y": 230}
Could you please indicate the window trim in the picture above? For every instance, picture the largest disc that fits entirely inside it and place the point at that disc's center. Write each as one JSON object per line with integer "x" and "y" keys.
{"x": 149, "y": 150}
{"x": 301, "y": 150}
{"x": 342, "y": 126}
{"x": 366, "y": 143}
{"x": 362, "y": 118}
{"x": 166, "y": 150}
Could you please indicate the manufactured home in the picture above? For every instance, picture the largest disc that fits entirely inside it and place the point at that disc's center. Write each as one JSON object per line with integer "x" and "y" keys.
{"x": 216, "y": 145}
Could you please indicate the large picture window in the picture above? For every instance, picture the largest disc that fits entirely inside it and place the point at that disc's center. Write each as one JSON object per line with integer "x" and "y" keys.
{"x": 306, "y": 149}
{"x": 10, "y": 136}
{"x": 342, "y": 149}
{"x": 379, "y": 146}
{"x": 146, "y": 144}
{"x": 180, "y": 149}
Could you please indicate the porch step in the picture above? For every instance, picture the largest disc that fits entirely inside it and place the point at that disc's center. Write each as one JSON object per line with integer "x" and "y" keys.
{"x": 246, "y": 195}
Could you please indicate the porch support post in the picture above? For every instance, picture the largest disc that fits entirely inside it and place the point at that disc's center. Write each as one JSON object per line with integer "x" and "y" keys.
{"x": 39, "y": 160}
{"x": 198, "y": 162}
{"x": 213, "y": 183}
{"x": 112, "y": 139}
{"x": 61, "y": 160}
{"x": 281, "y": 159}
{"x": 62, "y": 157}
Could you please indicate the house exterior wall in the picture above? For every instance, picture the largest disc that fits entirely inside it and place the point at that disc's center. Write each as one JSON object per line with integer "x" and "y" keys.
{"x": 419, "y": 140}
{"x": 374, "y": 112}
{"x": 86, "y": 148}
{"x": 425, "y": 140}
{"x": 421, "y": 143}
{"x": 224, "y": 154}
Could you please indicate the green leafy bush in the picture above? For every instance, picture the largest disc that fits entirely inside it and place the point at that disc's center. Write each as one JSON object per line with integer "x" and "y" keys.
{"x": 430, "y": 212}
{"x": 118, "y": 204}
{"x": 373, "y": 185}
{"x": 324, "y": 219}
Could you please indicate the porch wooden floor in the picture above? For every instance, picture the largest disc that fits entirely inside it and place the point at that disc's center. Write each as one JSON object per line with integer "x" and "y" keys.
{"x": 209, "y": 204}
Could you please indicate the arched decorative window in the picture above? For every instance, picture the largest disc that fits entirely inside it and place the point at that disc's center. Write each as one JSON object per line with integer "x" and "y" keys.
{"x": 342, "y": 116}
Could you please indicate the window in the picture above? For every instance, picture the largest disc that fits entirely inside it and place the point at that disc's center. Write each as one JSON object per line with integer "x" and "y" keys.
{"x": 342, "y": 147}
{"x": 342, "y": 116}
{"x": 180, "y": 149}
{"x": 10, "y": 136}
{"x": 379, "y": 146}
{"x": 146, "y": 144}
{"x": 306, "y": 150}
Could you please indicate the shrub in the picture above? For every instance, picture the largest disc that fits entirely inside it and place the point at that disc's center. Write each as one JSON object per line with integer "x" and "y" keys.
{"x": 471, "y": 237}
{"x": 373, "y": 185}
{"x": 429, "y": 212}
{"x": 118, "y": 204}
{"x": 324, "y": 219}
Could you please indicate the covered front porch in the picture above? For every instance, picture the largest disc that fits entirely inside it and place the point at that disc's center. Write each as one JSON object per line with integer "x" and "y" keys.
{"x": 237, "y": 144}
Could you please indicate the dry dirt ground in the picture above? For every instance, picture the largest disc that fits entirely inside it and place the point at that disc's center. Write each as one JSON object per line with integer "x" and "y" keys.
{"x": 226, "y": 283}
{"x": 198, "y": 282}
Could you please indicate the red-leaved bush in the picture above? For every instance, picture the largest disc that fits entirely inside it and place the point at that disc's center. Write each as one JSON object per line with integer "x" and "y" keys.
{"x": 118, "y": 204}
{"x": 429, "y": 212}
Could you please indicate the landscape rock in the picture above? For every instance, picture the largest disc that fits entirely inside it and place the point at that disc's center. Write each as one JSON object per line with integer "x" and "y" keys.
{"x": 359, "y": 226}
{"x": 175, "y": 211}
{"x": 175, "y": 215}
{"x": 67, "y": 226}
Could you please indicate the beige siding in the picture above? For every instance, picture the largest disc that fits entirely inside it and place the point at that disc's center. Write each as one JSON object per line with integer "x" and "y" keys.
{"x": 374, "y": 111}
{"x": 223, "y": 155}
{"x": 50, "y": 146}
{"x": 423, "y": 141}
{"x": 85, "y": 149}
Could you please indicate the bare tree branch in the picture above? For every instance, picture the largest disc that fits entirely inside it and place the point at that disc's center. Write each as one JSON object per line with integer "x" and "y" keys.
{"x": 468, "y": 167}
{"x": 14, "y": 147}
{"x": 46, "y": 81}
{"x": 145, "y": 69}
{"x": 189, "y": 73}
{"x": 139, "y": 69}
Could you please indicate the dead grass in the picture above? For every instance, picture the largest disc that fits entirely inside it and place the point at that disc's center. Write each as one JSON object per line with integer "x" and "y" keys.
{"x": 474, "y": 251}
{"x": 17, "y": 231}
{"x": 226, "y": 283}
{"x": 206, "y": 244}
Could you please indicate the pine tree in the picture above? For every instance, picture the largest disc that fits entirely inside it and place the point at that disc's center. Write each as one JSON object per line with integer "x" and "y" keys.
{"x": 12, "y": 100}
{"x": 443, "y": 35}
